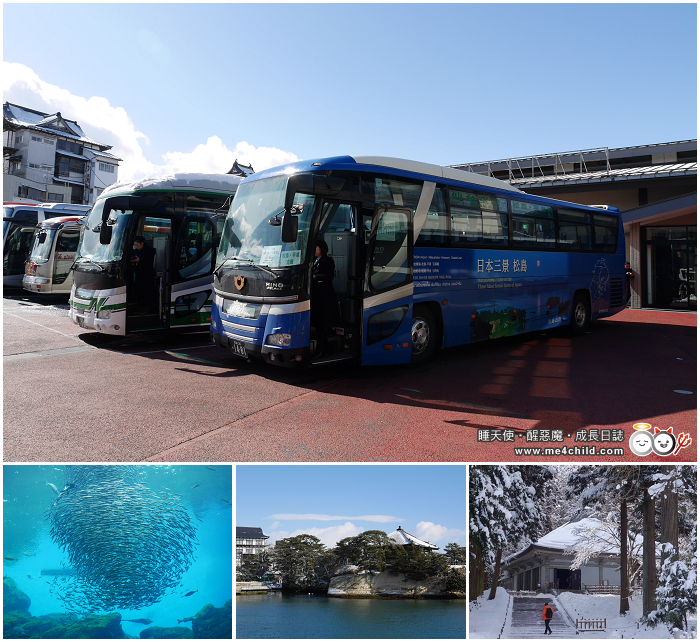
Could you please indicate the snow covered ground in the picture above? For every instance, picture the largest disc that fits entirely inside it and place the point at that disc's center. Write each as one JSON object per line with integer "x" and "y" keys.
{"x": 486, "y": 619}
{"x": 493, "y": 619}
{"x": 608, "y": 607}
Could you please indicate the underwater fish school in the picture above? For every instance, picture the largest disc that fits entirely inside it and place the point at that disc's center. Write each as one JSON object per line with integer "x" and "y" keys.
{"x": 119, "y": 551}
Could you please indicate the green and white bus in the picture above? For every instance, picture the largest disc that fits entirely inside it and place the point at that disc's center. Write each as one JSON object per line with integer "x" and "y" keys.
{"x": 180, "y": 217}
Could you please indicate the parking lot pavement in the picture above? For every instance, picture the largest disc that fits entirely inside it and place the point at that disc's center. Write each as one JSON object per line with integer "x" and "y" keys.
{"x": 76, "y": 396}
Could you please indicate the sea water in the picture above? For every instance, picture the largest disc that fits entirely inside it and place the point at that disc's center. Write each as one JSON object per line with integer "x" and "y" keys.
{"x": 204, "y": 491}
{"x": 302, "y": 616}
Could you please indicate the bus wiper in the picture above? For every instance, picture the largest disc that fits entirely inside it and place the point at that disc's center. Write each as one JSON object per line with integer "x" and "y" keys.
{"x": 249, "y": 261}
{"x": 86, "y": 260}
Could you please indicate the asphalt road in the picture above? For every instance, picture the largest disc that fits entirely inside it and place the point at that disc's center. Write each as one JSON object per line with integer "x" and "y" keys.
{"x": 75, "y": 396}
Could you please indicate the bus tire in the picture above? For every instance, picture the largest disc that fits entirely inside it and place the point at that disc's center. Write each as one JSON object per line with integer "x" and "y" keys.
{"x": 580, "y": 314}
{"x": 424, "y": 334}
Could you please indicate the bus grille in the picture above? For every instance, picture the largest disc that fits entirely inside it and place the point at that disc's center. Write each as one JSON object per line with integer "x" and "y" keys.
{"x": 617, "y": 293}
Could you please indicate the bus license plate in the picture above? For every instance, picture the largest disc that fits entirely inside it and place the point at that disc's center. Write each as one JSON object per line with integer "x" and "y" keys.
{"x": 238, "y": 348}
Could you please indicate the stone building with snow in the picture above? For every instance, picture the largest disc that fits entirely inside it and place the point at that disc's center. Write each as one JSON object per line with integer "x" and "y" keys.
{"x": 546, "y": 564}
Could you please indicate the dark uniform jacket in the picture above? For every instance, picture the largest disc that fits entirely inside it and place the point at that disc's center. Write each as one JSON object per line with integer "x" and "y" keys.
{"x": 324, "y": 306}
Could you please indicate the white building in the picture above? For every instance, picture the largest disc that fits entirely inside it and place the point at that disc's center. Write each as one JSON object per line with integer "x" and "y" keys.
{"x": 49, "y": 159}
{"x": 250, "y": 540}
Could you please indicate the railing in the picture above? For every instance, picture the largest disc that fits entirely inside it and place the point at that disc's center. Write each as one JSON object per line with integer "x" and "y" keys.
{"x": 602, "y": 588}
{"x": 585, "y": 626}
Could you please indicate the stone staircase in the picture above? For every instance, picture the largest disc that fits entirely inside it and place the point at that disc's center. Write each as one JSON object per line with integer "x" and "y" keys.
{"x": 526, "y": 620}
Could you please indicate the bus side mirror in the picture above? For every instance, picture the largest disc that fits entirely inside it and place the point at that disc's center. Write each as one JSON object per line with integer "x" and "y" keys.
{"x": 290, "y": 227}
{"x": 105, "y": 233}
{"x": 42, "y": 237}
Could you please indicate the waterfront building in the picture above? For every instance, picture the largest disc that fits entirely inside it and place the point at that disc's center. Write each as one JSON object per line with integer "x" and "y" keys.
{"x": 249, "y": 541}
{"x": 402, "y": 538}
{"x": 654, "y": 187}
{"x": 48, "y": 158}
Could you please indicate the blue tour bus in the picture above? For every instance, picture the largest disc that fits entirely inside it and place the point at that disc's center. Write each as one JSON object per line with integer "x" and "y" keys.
{"x": 425, "y": 257}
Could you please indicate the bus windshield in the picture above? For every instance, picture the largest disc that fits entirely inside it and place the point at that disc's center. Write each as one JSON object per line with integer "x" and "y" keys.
{"x": 248, "y": 235}
{"x": 90, "y": 248}
{"x": 41, "y": 252}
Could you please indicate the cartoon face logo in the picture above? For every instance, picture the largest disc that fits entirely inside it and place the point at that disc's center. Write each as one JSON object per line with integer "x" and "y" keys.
{"x": 641, "y": 443}
{"x": 663, "y": 442}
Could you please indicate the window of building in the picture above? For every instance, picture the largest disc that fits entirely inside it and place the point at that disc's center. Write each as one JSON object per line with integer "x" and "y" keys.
{"x": 36, "y": 139}
{"x": 67, "y": 165}
{"x": 104, "y": 167}
{"x": 29, "y": 192}
{"x": 48, "y": 141}
{"x": 18, "y": 140}
{"x": 69, "y": 146}
{"x": 55, "y": 198}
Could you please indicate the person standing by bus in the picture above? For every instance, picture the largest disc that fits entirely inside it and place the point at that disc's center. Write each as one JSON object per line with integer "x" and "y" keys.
{"x": 547, "y": 613}
{"x": 144, "y": 272}
{"x": 629, "y": 275}
{"x": 324, "y": 306}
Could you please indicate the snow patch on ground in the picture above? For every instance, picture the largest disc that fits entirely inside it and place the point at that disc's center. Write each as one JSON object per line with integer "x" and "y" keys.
{"x": 607, "y": 607}
{"x": 487, "y": 617}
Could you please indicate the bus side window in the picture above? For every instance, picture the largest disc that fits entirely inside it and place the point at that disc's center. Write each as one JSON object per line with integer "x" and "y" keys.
{"x": 195, "y": 249}
{"x": 435, "y": 228}
{"x": 574, "y": 230}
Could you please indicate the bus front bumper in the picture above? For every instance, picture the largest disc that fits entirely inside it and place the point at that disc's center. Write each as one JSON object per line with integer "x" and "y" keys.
{"x": 36, "y": 283}
{"x": 285, "y": 357}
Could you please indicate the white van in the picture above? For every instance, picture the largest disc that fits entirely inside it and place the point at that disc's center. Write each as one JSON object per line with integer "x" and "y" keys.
{"x": 51, "y": 257}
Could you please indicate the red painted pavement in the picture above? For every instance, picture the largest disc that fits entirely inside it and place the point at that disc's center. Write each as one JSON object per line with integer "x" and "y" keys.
{"x": 202, "y": 404}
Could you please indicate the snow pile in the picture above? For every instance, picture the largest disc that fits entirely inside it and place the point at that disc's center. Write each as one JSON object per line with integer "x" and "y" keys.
{"x": 598, "y": 607}
{"x": 487, "y": 617}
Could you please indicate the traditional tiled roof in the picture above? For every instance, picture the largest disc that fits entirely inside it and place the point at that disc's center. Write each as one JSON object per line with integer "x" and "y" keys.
{"x": 251, "y": 532}
{"x": 402, "y": 538}
{"x": 22, "y": 117}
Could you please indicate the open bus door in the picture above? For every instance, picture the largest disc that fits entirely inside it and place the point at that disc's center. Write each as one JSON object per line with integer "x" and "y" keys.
{"x": 148, "y": 305}
{"x": 339, "y": 228}
{"x": 388, "y": 292}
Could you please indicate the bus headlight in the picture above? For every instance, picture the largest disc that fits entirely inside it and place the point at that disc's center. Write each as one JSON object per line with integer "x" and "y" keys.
{"x": 104, "y": 314}
{"x": 279, "y": 340}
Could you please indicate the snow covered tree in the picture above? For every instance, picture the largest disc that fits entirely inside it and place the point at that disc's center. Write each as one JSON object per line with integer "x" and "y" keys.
{"x": 502, "y": 506}
{"x": 677, "y": 593}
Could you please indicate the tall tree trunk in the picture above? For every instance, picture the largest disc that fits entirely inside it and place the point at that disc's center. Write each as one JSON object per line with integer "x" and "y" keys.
{"x": 669, "y": 516}
{"x": 649, "y": 554}
{"x": 496, "y": 574}
{"x": 477, "y": 571}
{"x": 624, "y": 565}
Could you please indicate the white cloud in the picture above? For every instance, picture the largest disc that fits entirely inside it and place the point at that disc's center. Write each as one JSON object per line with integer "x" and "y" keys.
{"x": 274, "y": 525}
{"x": 383, "y": 519}
{"x": 329, "y": 536}
{"x": 111, "y": 125}
{"x": 435, "y": 533}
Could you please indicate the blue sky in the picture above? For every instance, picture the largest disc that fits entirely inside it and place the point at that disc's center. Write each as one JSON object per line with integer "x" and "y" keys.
{"x": 191, "y": 87}
{"x": 337, "y": 501}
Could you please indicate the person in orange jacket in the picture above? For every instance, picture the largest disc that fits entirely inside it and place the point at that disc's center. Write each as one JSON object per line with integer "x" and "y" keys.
{"x": 547, "y": 613}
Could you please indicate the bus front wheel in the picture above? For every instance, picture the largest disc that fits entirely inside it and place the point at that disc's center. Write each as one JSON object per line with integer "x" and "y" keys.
{"x": 580, "y": 315}
{"x": 423, "y": 334}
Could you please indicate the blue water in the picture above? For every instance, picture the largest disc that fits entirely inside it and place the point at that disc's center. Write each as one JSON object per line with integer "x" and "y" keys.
{"x": 277, "y": 616}
{"x": 26, "y": 538}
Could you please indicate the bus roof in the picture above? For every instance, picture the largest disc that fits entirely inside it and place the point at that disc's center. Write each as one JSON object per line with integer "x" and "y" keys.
{"x": 379, "y": 162}
{"x": 217, "y": 183}
{"x": 408, "y": 168}
{"x": 61, "y": 220}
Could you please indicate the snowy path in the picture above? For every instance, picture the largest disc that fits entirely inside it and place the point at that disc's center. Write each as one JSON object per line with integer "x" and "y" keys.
{"x": 526, "y": 619}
